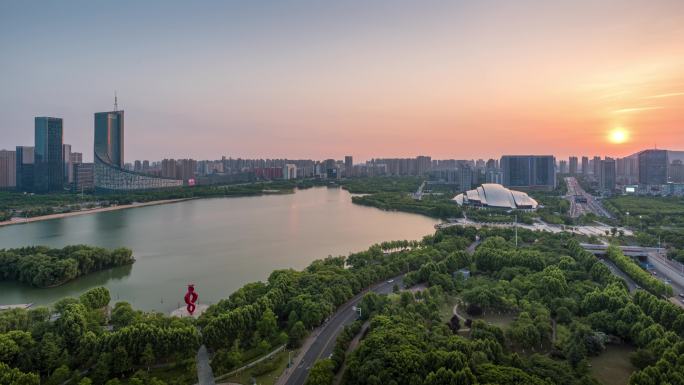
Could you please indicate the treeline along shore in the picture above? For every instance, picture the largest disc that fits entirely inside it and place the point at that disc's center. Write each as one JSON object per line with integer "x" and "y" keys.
{"x": 43, "y": 267}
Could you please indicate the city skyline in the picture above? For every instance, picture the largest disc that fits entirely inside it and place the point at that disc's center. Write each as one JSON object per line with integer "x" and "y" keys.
{"x": 319, "y": 80}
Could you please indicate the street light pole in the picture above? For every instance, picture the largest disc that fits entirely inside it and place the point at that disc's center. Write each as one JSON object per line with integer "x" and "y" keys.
{"x": 516, "y": 230}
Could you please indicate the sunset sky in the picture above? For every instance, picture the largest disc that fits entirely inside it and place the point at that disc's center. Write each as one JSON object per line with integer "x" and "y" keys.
{"x": 317, "y": 79}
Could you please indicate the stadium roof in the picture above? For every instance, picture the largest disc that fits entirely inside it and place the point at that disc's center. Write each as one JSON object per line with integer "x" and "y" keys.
{"x": 496, "y": 196}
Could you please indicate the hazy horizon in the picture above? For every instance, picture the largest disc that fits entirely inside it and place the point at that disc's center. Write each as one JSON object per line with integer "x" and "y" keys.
{"x": 313, "y": 80}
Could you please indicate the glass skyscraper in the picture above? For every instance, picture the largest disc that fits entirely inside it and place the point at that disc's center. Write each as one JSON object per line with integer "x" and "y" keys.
{"x": 109, "y": 137}
{"x": 109, "y": 171}
{"x": 653, "y": 167}
{"x": 24, "y": 168}
{"x": 529, "y": 171}
{"x": 48, "y": 156}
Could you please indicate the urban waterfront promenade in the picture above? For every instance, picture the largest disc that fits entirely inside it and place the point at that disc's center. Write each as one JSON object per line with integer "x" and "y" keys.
{"x": 19, "y": 220}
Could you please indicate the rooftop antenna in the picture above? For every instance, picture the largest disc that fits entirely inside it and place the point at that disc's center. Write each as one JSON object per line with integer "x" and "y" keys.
{"x": 116, "y": 104}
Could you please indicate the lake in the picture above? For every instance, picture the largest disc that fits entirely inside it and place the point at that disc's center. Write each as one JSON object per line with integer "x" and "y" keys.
{"x": 219, "y": 244}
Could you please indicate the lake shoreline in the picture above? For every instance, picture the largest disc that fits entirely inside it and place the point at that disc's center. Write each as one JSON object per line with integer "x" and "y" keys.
{"x": 18, "y": 221}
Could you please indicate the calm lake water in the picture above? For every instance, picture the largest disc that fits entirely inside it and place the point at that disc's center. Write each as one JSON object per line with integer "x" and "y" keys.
{"x": 218, "y": 244}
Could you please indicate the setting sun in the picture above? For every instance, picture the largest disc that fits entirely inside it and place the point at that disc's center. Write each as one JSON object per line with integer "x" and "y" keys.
{"x": 618, "y": 135}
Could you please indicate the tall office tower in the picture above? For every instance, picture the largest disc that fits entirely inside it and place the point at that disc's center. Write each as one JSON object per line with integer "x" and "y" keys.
{"x": 677, "y": 171}
{"x": 24, "y": 168}
{"x": 48, "y": 155}
{"x": 146, "y": 165}
{"x": 529, "y": 171}
{"x": 348, "y": 166}
{"x": 607, "y": 175}
{"x": 563, "y": 167}
{"x": 585, "y": 165}
{"x": 596, "y": 165}
{"x": 109, "y": 168}
{"x": 109, "y": 138}
{"x": 8, "y": 169}
{"x": 465, "y": 177}
{"x": 68, "y": 168}
{"x": 573, "y": 165}
{"x": 653, "y": 167}
{"x": 137, "y": 166}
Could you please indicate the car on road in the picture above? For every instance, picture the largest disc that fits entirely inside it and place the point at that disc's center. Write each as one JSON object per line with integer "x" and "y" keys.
{"x": 654, "y": 273}
{"x": 390, "y": 280}
{"x": 681, "y": 295}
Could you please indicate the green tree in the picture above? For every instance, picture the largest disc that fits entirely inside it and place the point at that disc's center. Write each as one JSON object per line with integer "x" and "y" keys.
{"x": 321, "y": 373}
{"x": 148, "y": 356}
{"x": 95, "y": 298}
{"x": 297, "y": 334}
{"x": 267, "y": 325}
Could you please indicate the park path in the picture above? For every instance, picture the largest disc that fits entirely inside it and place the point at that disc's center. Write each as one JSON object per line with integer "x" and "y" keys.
{"x": 205, "y": 375}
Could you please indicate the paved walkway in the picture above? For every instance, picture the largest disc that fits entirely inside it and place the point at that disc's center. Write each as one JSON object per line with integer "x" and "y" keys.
{"x": 205, "y": 375}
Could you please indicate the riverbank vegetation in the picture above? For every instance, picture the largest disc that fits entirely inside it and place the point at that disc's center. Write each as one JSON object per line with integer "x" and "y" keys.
{"x": 373, "y": 185}
{"x": 42, "y": 266}
{"x": 32, "y": 205}
{"x": 432, "y": 206}
{"x": 73, "y": 340}
{"x": 564, "y": 307}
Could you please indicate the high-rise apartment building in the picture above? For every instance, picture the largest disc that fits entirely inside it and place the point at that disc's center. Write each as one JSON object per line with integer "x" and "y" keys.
{"x": 24, "y": 168}
{"x": 48, "y": 155}
{"x": 8, "y": 169}
{"x": 607, "y": 175}
{"x": 529, "y": 171}
{"x": 596, "y": 166}
{"x": 168, "y": 168}
{"x": 653, "y": 167}
{"x": 348, "y": 166}
{"x": 423, "y": 164}
{"x": 465, "y": 177}
{"x": 185, "y": 169}
{"x": 563, "y": 167}
{"x": 585, "y": 165}
{"x": 290, "y": 171}
{"x": 573, "y": 165}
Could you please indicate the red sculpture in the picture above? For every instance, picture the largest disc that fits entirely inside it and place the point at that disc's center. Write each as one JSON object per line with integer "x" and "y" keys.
{"x": 191, "y": 298}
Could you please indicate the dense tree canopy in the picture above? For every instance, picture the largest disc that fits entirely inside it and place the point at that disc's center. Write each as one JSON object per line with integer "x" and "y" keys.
{"x": 42, "y": 266}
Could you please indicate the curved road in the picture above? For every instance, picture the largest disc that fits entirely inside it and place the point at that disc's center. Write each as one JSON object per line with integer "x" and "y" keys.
{"x": 326, "y": 335}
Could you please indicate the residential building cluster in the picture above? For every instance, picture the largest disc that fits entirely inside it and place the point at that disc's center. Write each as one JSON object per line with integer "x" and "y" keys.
{"x": 647, "y": 172}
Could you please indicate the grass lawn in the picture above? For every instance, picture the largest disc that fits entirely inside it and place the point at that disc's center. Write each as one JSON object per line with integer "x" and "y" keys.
{"x": 268, "y": 378}
{"x": 182, "y": 373}
{"x": 612, "y": 367}
{"x": 648, "y": 205}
